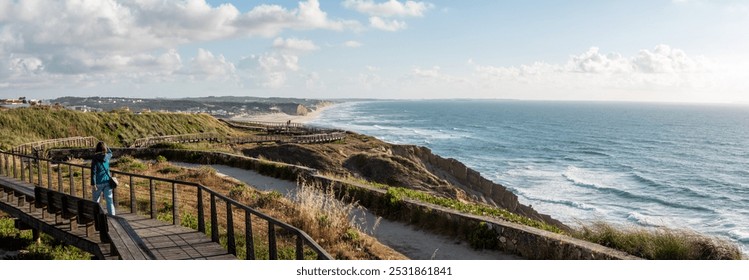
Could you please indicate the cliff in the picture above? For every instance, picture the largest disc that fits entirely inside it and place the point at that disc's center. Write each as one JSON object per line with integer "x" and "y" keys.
{"x": 406, "y": 166}
{"x": 477, "y": 187}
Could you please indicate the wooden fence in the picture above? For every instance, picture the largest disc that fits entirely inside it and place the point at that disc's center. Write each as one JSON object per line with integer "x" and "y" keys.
{"x": 73, "y": 179}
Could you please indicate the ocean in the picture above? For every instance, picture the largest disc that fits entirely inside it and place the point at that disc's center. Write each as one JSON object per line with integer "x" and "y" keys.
{"x": 644, "y": 164}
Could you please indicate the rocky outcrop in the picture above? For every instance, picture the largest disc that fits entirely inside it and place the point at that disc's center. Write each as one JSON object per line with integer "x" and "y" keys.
{"x": 293, "y": 109}
{"x": 471, "y": 181}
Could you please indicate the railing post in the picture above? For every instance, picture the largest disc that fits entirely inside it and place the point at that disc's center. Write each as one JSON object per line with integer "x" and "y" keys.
{"x": 59, "y": 177}
{"x": 23, "y": 171}
{"x": 299, "y": 247}
{"x": 175, "y": 206}
{"x": 214, "y": 219}
{"x": 83, "y": 182}
{"x": 230, "y": 244}
{"x": 31, "y": 168}
{"x": 249, "y": 238}
{"x": 72, "y": 181}
{"x": 201, "y": 218}
{"x": 39, "y": 172}
{"x": 272, "y": 251}
{"x": 49, "y": 175}
{"x": 152, "y": 198}
{"x": 133, "y": 204}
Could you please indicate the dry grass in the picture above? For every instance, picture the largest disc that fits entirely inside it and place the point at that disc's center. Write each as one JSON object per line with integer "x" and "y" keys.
{"x": 660, "y": 243}
{"x": 319, "y": 214}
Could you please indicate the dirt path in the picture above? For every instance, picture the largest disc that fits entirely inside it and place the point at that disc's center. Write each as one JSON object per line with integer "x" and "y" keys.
{"x": 408, "y": 240}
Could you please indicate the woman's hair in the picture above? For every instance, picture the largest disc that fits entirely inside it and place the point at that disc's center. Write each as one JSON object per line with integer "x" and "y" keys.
{"x": 101, "y": 147}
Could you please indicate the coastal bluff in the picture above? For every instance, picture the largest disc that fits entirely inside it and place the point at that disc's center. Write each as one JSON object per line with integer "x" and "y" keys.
{"x": 471, "y": 181}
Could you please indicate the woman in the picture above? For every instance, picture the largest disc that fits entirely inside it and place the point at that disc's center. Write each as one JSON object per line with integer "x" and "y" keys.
{"x": 100, "y": 175}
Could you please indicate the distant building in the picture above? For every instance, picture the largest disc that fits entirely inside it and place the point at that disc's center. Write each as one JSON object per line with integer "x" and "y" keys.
{"x": 84, "y": 108}
{"x": 14, "y": 103}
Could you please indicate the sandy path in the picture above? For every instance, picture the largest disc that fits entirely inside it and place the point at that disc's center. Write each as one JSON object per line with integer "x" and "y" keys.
{"x": 406, "y": 239}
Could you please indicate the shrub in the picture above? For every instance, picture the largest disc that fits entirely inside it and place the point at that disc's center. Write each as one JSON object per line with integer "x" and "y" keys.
{"x": 660, "y": 243}
{"x": 167, "y": 145}
{"x": 170, "y": 170}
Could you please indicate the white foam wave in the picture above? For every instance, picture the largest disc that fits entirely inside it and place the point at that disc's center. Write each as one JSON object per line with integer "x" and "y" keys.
{"x": 740, "y": 235}
{"x": 584, "y": 177}
{"x": 644, "y": 219}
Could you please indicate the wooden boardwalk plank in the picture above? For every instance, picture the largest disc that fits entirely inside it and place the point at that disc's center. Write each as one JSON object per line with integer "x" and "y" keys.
{"x": 170, "y": 242}
{"x": 164, "y": 241}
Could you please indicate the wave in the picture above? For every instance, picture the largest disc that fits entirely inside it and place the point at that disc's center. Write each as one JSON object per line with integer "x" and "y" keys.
{"x": 571, "y": 176}
{"x": 593, "y": 153}
{"x": 573, "y": 204}
{"x": 740, "y": 235}
{"x": 644, "y": 220}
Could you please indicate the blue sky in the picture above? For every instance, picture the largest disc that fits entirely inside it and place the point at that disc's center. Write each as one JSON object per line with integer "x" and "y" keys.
{"x": 676, "y": 51}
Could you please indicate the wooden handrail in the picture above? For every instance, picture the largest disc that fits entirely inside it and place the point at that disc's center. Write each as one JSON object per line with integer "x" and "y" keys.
{"x": 39, "y": 148}
{"x": 9, "y": 159}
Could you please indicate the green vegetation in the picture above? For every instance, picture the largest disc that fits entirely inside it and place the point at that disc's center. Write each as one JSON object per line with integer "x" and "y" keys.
{"x": 276, "y": 170}
{"x": 129, "y": 164}
{"x": 170, "y": 170}
{"x": 397, "y": 194}
{"x": 660, "y": 243}
{"x": 167, "y": 145}
{"x": 12, "y": 239}
{"x": 116, "y": 128}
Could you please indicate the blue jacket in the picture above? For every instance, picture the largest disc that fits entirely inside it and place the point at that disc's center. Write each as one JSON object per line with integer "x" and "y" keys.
{"x": 100, "y": 175}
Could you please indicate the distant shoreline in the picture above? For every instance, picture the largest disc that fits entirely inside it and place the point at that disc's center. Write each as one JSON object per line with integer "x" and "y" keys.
{"x": 283, "y": 117}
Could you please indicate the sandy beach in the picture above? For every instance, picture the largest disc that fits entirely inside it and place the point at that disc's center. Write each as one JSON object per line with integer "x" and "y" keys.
{"x": 283, "y": 117}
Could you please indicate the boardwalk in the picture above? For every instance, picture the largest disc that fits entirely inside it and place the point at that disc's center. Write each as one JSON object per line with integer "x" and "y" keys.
{"x": 43, "y": 195}
{"x": 169, "y": 242}
{"x": 158, "y": 240}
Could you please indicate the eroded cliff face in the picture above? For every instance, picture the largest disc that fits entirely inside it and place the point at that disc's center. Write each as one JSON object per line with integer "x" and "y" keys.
{"x": 406, "y": 166}
{"x": 470, "y": 181}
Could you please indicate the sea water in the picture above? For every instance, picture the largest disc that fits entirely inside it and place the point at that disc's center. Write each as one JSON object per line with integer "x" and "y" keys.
{"x": 646, "y": 164}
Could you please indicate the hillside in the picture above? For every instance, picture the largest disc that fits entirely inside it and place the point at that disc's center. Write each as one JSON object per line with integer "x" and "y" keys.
{"x": 23, "y": 125}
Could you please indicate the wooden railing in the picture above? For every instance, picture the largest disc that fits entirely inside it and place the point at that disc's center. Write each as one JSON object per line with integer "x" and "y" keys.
{"x": 319, "y": 138}
{"x": 141, "y": 190}
{"x": 280, "y": 127}
{"x": 180, "y": 138}
{"x": 40, "y": 148}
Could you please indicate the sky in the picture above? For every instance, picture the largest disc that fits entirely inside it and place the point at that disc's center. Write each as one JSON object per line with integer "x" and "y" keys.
{"x": 654, "y": 50}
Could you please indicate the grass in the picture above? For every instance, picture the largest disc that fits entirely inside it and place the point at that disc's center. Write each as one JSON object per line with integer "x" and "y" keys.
{"x": 397, "y": 194}
{"x": 660, "y": 243}
{"x": 116, "y": 128}
{"x": 320, "y": 215}
{"x": 12, "y": 239}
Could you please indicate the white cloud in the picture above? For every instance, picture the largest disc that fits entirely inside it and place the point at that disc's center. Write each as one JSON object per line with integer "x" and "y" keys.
{"x": 27, "y": 65}
{"x": 434, "y": 74}
{"x": 314, "y": 82}
{"x": 208, "y": 66}
{"x": 294, "y": 45}
{"x": 387, "y": 25}
{"x": 663, "y": 69}
{"x": 390, "y": 8}
{"x": 271, "y": 70}
{"x": 118, "y": 40}
{"x": 353, "y": 44}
